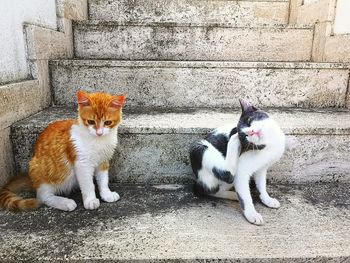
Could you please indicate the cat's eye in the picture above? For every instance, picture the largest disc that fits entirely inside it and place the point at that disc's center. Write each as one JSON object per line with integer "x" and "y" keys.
{"x": 107, "y": 123}
{"x": 91, "y": 122}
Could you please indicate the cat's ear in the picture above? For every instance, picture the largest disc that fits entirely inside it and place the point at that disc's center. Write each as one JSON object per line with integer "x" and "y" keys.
{"x": 83, "y": 98}
{"x": 247, "y": 106}
{"x": 118, "y": 101}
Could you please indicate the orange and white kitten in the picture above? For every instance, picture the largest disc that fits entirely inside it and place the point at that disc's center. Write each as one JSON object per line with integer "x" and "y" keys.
{"x": 70, "y": 153}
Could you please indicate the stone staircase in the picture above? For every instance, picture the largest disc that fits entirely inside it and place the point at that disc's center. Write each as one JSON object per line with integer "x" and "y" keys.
{"x": 184, "y": 64}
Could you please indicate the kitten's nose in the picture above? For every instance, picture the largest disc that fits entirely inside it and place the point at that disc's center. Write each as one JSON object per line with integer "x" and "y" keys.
{"x": 99, "y": 132}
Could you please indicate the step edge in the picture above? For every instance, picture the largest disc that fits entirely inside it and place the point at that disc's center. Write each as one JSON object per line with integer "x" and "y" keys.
{"x": 272, "y": 26}
{"x": 198, "y": 64}
{"x": 134, "y": 129}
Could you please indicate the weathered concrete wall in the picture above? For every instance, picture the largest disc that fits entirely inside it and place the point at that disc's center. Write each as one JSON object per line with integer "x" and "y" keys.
{"x": 309, "y": 12}
{"x": 154, "y": 146}
{"x": 189, "y": 11}
{"x": 331, "y": 41}
{"x": 7, "y": 166}
{"x": 186, "y": 42}
{"x": 23, "y": 98}
{"x": 204, "y": 84}
{"x": 13, "y": 15}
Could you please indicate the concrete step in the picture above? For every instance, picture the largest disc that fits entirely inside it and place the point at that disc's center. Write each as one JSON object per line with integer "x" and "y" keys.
{"x": 154, "y": 145}
{"x": 189, "y": 11}
{"x": 183, "y": 84}
{"x": 208, "y": 41}
{"x": 169, "y": 224}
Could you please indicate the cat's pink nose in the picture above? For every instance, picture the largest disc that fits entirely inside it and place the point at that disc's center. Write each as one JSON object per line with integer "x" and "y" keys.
{"x": 257, "y": 133}
{"x": 99, "y": 132}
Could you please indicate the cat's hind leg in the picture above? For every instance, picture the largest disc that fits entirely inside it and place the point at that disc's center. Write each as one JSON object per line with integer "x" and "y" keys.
{"x": 206, "y": 183}
{"x": 47, "y": 195}
{"x": 260, "y": 182}
{"x": 224, "y": 194}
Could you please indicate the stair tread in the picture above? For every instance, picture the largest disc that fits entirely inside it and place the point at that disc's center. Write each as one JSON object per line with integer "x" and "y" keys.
{"x": 169, "y": 223}
{"x": 293, "y": 121}
{"x": 244, "y": 12}
{"x": 269, "y": 26}
{"x": 198, "y": 64}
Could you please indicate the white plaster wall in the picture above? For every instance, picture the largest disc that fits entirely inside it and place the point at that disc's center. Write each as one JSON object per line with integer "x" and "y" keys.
{"x": 342, "y": 17}
{"x": 13, "y": 14}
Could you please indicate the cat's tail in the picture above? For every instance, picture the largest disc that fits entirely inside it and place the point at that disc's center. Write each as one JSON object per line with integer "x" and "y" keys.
{"x": 9, "y": 199}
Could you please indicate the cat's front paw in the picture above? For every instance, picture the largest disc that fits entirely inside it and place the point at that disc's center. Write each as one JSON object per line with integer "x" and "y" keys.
{"x": 92, "y": 203}
{"x": 271, "y": 202}
{"x": 70, "y": 205}
{"x": 254, "y": 217}
{"x": 110, "y": 196}
{"x": 65, "y": 204}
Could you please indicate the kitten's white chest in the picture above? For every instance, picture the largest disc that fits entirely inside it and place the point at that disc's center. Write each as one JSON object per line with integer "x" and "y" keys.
{"x": 95, "y": 150}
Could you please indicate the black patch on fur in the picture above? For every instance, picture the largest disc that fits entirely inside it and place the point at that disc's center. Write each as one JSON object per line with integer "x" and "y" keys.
{"x": 241, "y": 202}
{"x": 233, "y": 132}
{"x": 223, "y": 175}
{"x": 196, "y": 156}
{"x": 249, "y": 115}
{"x": 200, "y": 189}
{"x": 219, "y": 141}
{"x": 248, "y": 146}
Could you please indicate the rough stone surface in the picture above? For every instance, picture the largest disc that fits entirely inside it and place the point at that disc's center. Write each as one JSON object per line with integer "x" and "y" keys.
{"x": 7, "y": 166}
{"x": 170, "y": 224}
{"x": 187, "y": 11}
{"x": 18, "y": 101}
{"x": 337, "y": 48}
{"x": 48, "y": 44}
{"x": 319, "y": 11}
{"x": 322, "y": 30}
{"x": 204, "y": 84}
{"x": 161, "y": 41}
{"x": 154, "y": 145}
{"x": 72, "y": 9}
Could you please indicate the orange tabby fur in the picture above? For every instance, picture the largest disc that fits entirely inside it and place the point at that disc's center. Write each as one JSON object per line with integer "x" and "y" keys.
{"x": 54, "y": 153}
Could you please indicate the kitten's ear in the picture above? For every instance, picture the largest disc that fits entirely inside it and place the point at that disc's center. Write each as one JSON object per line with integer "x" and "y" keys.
{"x": 247, "y": 106}
{"x": 118, "y": 101}
{"x": 83, "y": 98}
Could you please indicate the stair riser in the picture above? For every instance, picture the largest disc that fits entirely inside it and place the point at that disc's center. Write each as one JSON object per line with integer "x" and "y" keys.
{"x": 159, "y": 42}
{"x": 189, "y": 11}
{"x": 163, "y": 158}
{"x": 157, "y": 85}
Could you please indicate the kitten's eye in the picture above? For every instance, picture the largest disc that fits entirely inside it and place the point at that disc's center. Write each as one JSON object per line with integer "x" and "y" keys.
{"x": 91, "y": 122}
{"x": 107, "y": 123}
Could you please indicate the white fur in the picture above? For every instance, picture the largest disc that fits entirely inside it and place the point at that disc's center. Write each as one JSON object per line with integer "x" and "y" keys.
{"x": 102, "y": 182}
{"x": 251, "y": 163}
{"x": 91, "y": 150}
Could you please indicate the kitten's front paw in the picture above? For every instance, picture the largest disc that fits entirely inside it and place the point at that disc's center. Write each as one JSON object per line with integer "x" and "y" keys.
{"x": 271, "y": 202}
{"x": 110, "y": 196}
{"x": 70, "y": 205}
{"x": 66, "y": 205}
{"x": 91, "y": 204}
{"x": 254, "y": 217}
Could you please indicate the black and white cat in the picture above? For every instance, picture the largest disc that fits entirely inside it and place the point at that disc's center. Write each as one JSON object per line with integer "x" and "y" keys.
{"x": 232, "y": 154}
